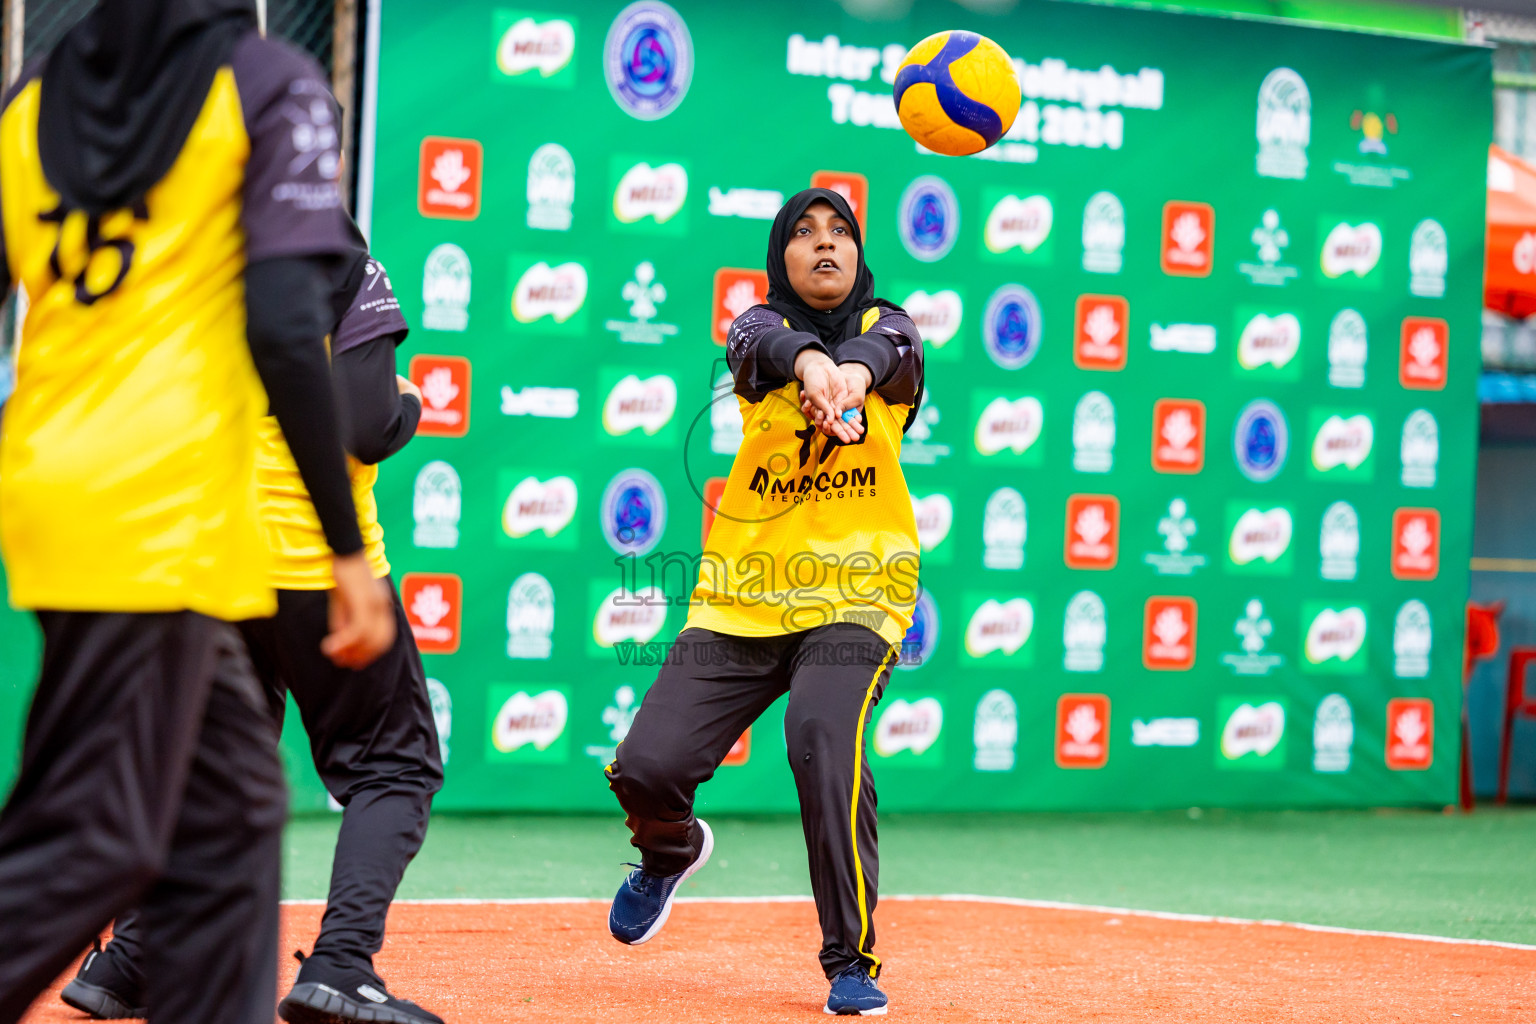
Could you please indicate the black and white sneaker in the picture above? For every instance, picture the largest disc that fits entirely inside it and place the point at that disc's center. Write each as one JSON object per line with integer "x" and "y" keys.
{"x": 326, "y": 994}
{"x": 101, "y": 989}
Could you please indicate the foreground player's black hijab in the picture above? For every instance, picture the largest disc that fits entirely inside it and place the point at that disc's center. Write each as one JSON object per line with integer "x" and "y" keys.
{"x": 830, "y": 325}
{"x": 122, "y": 89}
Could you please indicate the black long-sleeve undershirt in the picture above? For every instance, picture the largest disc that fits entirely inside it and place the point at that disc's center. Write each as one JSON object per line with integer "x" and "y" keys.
{"x": 288, "y": 315}
{"x": 377, "y": 420}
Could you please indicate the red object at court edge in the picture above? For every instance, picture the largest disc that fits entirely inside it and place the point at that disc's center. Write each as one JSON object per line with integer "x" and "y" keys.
{"x": 1509, "y": 262}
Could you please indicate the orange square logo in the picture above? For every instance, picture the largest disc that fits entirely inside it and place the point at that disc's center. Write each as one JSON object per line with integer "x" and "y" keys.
{"x": 1093, "y": 531}
{"x": 1189, "y": 239}
{"x": 1410, "y": 734}
{"x": 741, "y": 751}
{"x": 736, "y": 291}
{"x": 1168, "y": 639}
{"x": 444, "y": 383}
{"x": 1422, "y": 363}
{"x": 1082, "y": 730}
{"x": 852, "y": 187}
{"x": 448, "y": 184}
{"x": 714, "y": 490}
{"x": 434, "y": 605}
{"x": 1416, "y": 543}
{"x": 1178, "y": 435}
{"x": 1102, "y": 333}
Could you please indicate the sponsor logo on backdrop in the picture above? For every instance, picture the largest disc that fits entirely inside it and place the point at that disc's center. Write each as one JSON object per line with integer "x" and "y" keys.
{"x": 1008, "y": 425}
{"x": 656, "y": 192}
{"x": 1193, "y": 339}
{"x": 618, "y": 717}
{"x": 1428, "y": 259}
{"x": 444, "y": 383}
{"x": 1165, "y": 732}
{"x": 922, "y": 637}
{"x": 1253, "y": 630}
{"x": 635, "y": 616}
{"x": 928, "y": 218}
{"x": 936, "y": 315}
{"x": 1333, "y": 734}
{"x": 852, "y": 186}
{"x": 1168, "y": 634}
{"x": 1082, "y": 730}
{"x": 448, "y": 184}
{"x": 746, "y": 203}
{"x": 433, "y": 604}
{"x": 736, "y": 291}
{"x": 645, "y": 294}
{"x": 529, "y": 726}
{"x": 1189, "y": 238}
{"x": 1270, "y": 239}
{"x": 1102, "y": 332}
{"x": 534, "y": 44}
{"x": 740, "y": 752}
{"x": 1335, "y": 638}
{"x": 919, "y": 448}
{"x": 1284, "y": 125}
{"x": 548, "y": 403}
{"x": 1260, "y": 440}
{"x": 726, "y": 431}
{"x": 1269, "y": 341}
{"x": 1002, "y": 627}
{"x": 1103, "y": 234}
{"x": 996, "y": 731}
{"x": 1422, "y": 362}
{"x": 557, "y": 292}
{"x": 1004, "y": 528}
{"x": 634, "y": 404}
{"x": 1260, "y": 535}
{"x": 1093, "y": 433}
{"x": 1372, "y": 170}
{"x": 1415, "y": 543}
{"x": 1011, "y": 326}
{"x": 935, "y": 514}
{"x": 1343, "y": 443}
{"x": 1084, "y": 632}
{"x": 1339, "y": 542}
{"x": 1351, "y": 249}
{"x": 551, "y": 188}
{"x": 714, "y": 492}
{"x": 442, "y": 715}
{"x": 1420, "y": 449}
{"x": 445, "y": 287}
{"x": 1252, "y": 734}
{"x": 1177, "y": 529}
{"x": 1348, "y": 349}
{"x": 1410, "y": 734}
{"x": 536, "y": 505}
{"x": 1093, "y": 531}
{"x": 436, "y": 505}
{"x": 1018, "y": 223}
{"x": 1178, "y": 435}
{"x": 530, "y": 617}
{"x": 911, "y": 727}
{"x": 1412, "y": 638}
{"x": 648, "y": 60}
{"x": 633, "y": 512}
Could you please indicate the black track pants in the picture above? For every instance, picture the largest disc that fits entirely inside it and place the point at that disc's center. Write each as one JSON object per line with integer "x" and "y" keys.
{"x": 149, "y": 775}
{"x": 711, "y": 689}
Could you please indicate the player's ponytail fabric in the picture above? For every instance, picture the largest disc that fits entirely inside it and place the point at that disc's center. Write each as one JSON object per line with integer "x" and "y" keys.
{"x": 122, "y": 90}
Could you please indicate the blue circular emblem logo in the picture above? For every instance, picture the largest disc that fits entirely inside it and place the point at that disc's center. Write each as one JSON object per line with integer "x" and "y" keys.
{"x": 634, "y": 512}
{"x": 1260, "y": 440}
{"x": 1011, "y": 327}
{"x": 922, "y": 636}
{"x": 928, "y": 218}
{"x": 648, "y": 59}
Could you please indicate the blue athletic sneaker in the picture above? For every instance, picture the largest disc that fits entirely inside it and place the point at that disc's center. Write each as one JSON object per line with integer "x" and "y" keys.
{"x": 855, "y": 994}
{"x": 644, "y": 901}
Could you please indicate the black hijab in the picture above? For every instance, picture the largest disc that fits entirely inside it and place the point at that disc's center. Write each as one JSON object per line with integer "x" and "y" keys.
{"x": 122, "y": 89}
{"x": 830, "y": 325}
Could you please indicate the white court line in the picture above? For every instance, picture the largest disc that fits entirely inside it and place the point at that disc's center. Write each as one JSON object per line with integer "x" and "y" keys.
{"x": 1006, "y": 901}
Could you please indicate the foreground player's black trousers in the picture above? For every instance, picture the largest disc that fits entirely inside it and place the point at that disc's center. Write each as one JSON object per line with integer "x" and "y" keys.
{"x": 149, "y": 775}
{"x": 712, "y": 688}
{"x": 375, "y": 746}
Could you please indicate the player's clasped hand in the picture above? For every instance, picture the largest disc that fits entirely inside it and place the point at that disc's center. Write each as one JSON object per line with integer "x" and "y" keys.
{"x": 362, "y": 614}
{"x": 828, "y": 391}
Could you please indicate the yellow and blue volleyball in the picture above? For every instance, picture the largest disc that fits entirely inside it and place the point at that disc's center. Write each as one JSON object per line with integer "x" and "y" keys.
{"x": 957, "y": 93}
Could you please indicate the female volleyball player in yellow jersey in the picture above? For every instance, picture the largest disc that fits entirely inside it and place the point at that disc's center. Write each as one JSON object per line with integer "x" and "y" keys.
{"x": 807, "y": 586}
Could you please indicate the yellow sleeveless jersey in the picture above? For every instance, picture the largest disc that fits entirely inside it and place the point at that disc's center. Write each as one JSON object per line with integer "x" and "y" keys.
{"x": 128, "y": 448}
{"x": 809, "y": 531}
